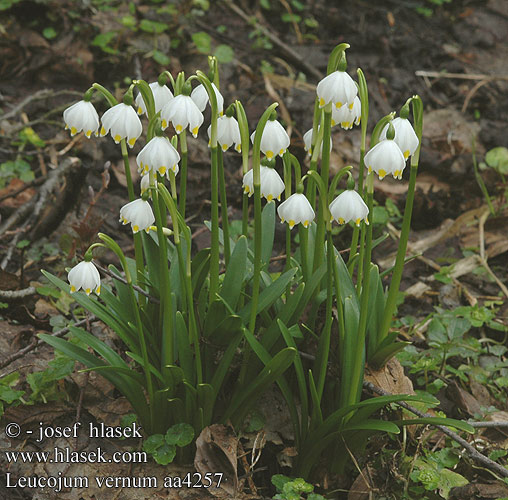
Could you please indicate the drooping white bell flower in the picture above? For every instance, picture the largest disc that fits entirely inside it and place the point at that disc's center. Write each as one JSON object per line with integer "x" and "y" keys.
{"x": 405, "y": 136}
{"x": 145, "y": 183}
{"x": 296, "y": 210}
{"x": 271, "y": 185}
{"x": 307, "y": 141}
{"x": 161, "y": 95}
{"x": 81, "y": 116}
{"x": 86, "y": 277}
{"x": 158, "y": 155}
{"x": 274, "y": 140}
{"x": 138, "y": 214}
{"x": 123, "y": 123}
{"x": 182, "y": 112}
{"x": 346, "y": 116}
{"x": 349, "y": 206}
{"x": 200, "y": 96}
{"x": 248, "y": 182}
{"x": 228, "y": 133}
{"x": 386, "y": 158}
{"x": 339, "y": 88}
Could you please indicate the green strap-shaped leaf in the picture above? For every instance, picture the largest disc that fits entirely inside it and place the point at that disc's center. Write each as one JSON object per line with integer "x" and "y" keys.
{"x": 447, "y": 422}
{"x": 235, "y": 273}
{"x": 268, "y": 225}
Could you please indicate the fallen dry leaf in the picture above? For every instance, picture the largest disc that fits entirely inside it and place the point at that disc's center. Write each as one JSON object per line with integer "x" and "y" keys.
{"x": 216, "y": 451}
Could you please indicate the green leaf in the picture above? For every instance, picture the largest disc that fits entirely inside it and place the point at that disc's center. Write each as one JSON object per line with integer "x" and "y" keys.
{"x": 49, "y": 33}
{"x": 235, "y": 273}
{"x": 180, "y": 435}
{"x": 224, "y": 53}
{"x": 268, "y": 225}
{"x": 151, "y": 443}
{"x": 202, "y": 41}
{"x": 161, "y": 58}
{"x": 153, "y": 26}
{"x": 448, "y": 480}
{"x": 165, "y": 454}
{"x": 497, "y": 159}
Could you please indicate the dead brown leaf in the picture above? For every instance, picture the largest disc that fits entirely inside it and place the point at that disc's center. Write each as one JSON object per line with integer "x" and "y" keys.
{"x": 216, "y": 450}
{"x": 391, "y": 378}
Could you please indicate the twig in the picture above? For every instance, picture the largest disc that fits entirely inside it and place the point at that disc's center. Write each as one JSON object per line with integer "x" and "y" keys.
{"x": 17, "y": 294}
{"x": 37, "y": 342}
{"x": 286, "y": 49}
{"x": 124, "y": 281}
{"x": 473, "y": 453}
{"x": 459, "y": 76}
{"x": 491, "y": 424}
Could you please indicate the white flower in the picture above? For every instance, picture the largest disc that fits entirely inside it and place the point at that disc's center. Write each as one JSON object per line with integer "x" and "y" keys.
{"x": 123, "y": 122}
{"x": 386, "y": 158}
{"x": 158, "y": 155}
{"x": 405, "y": 136}
{"x": 138, "y": 214}
{"x": 307, "y": 141}
{"x": 346, "y": 116}
{"x": 295, "y": 210}
{"x": 248, "y": 182}
{"x": 271, "y": 184}
{"x": 349, "y": 206}
{"x": 81, "y": 116}
{"x": 200, "y": 96}
{"x": 85, "y": 276}
{"x": 181, "y": 111}
{"x": 228, "y": 133}
{"x": 161, "y": 95}
{"x": 274, "y": 140}
{"x": 145, "y": 183}
{"x": 338, "y": 87}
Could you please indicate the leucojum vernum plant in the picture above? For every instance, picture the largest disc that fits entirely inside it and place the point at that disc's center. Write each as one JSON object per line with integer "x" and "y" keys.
{"x": 204, "y": 334}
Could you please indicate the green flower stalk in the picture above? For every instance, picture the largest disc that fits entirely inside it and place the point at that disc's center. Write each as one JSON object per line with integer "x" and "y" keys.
{"x": 417, "y": 108}
{"x": 245, "y": 141}
{"x": 214, "y": 255}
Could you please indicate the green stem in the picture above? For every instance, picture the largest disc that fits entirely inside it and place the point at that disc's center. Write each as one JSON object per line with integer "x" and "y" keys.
{"x": 391, "y": 300}
{"x": 325, "y": 172}
{"x": 214, "y": 253}
{"x": 355, "y": 387}
{"x": 183, "y": 172}
{"x": 224, "y": 208}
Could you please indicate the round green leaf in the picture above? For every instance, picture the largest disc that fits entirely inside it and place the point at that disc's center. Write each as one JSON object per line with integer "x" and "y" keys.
{"x": 180, "y": 435}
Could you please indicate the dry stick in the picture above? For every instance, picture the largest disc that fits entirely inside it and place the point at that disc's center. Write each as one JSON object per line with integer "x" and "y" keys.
{"x": 17, "y": 294}
{"x": 459, "y": 76}
{"x": 473, "y": 453}
{"x": 125, "y": 282}
{"x": 37, "y": 342}
{"x": 295, "y": 58}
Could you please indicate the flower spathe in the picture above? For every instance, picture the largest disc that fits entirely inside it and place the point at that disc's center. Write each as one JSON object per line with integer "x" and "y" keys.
{"x": 123, "y": 123}
{"x": 405, "y": 136}
{"x": 161, "y": 95}
{"x": 271, "y": 184}
{"x": 158, "y": 155}
{"x": 347, "y": 116}
{"x": 349, "y": 206}
{"x": 296, "y": 210}
{"x": 337, "y": 88}
{"x": 82, "y": 116}
{"x": 85, "y": 276}
{"x": 307, "y": 141}
{"x": 182, "y": 112}
{"x": 200, "y": 96}
{"x": 228, "y": 133}
{"x": 274, "y": 140}
{"x": 386, "y": 158}
{"x": 138, "y": 214}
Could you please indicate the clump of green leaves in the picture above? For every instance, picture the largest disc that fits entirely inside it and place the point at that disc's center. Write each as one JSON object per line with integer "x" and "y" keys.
{"x": 293, "y": 489}
{"x": 162, "y": 447}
